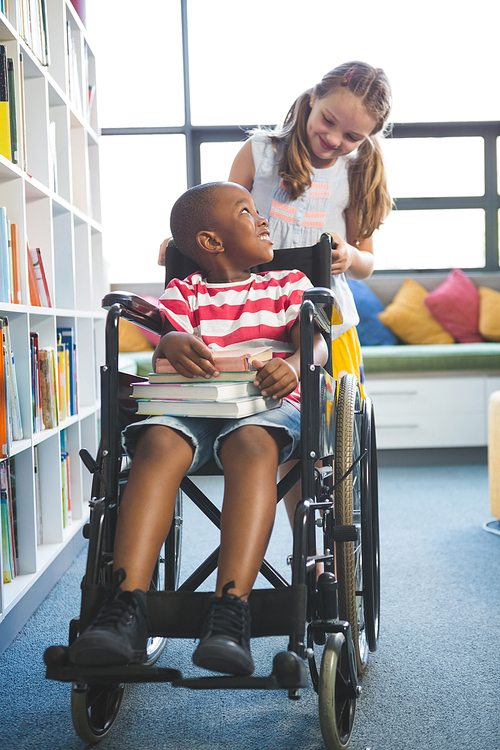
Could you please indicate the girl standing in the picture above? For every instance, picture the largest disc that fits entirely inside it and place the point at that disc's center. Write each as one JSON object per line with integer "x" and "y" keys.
{"x": 323, "y": 171}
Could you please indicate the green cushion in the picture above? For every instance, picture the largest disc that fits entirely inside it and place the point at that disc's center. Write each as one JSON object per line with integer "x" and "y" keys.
{"x": 135, "y": 363}
{"x": 414, "y": 358}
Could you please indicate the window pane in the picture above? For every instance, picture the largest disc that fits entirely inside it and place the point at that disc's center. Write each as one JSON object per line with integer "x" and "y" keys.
{"x": 431, "y": 239}
{"x": 249, "y": 62}
{"x": 136, "y": 204}
{"x": 433, "y": 167}
{"x": 139, "y": 62}
{"x": 216, "y": 160}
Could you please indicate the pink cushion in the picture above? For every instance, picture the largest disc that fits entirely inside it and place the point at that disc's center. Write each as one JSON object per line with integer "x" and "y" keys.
{"x": 153, "y": 338}
{"x": 455, "y": 305}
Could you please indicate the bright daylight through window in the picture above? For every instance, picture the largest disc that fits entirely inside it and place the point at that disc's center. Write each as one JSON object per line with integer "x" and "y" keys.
{"x": 442, "y": 64}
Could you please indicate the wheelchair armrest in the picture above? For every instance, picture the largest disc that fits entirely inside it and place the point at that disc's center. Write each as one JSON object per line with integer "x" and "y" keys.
{"x": 136, "y": 309}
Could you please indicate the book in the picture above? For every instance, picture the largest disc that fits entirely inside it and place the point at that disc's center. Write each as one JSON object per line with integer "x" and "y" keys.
{"x": 244, "y": 376}
{"x": 8, "y": 552}
{"x": 5, "y": 258}
{"x": 208, "y": 391}
{"x": 16, "y": 264}
{"x": 12, "y": 110}
{"x": 36, "y": 390}
{"x": 5, "y": 140}
{"x": 226, "y": 360}
{"x": 15, "y": 424}
{"x": 48, "y": 386}
{"x": 41, "y": 278}
{"x": 67, "y": 338}
{"x": 33, "y": 284}
{"x": 4, "y": 417}
{"x": 239, "y": 407}
{"x": 62, "y": 380}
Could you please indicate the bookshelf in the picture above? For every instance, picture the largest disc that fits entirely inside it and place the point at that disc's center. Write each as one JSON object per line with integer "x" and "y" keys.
{"x": 52, "y": 195}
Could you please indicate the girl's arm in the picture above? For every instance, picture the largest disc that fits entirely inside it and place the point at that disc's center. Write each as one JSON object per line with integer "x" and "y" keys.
{"x": 243, "y": 167}
{"x": 350, "y": 256}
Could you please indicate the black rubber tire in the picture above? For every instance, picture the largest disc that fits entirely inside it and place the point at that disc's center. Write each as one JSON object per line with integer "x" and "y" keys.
{"x": 349, "y": 555}
{"x": 370, "y": 525}
{"x": 337, "y": 708}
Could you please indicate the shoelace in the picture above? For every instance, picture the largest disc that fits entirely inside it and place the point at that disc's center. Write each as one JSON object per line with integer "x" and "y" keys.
{"x": 227, "y": 615}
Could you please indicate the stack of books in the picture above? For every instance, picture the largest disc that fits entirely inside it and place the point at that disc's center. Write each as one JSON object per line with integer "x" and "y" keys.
{"x": 230, "y": 395}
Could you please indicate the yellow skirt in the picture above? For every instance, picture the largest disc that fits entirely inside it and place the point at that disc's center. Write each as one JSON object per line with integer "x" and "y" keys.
{"x": 346, "y": 357}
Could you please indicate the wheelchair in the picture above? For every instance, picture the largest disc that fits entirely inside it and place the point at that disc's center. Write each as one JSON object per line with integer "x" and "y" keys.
{"x": 336, "y": 610}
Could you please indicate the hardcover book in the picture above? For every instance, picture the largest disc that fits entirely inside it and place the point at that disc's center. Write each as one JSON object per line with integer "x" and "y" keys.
{"x": 207, "y": 391}
{"x": 239, "y": 407}
{"x": 228, "y": 360}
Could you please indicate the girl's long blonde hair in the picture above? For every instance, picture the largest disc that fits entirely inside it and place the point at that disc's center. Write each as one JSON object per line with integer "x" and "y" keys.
{"x": 368, "y": 194}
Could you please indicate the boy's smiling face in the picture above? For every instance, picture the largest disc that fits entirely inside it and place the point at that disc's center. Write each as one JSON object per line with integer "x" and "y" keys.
{"x": 242, "y": 232}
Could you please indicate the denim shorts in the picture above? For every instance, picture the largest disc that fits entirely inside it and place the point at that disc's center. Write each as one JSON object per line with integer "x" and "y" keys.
{"x": 206, "y": 433}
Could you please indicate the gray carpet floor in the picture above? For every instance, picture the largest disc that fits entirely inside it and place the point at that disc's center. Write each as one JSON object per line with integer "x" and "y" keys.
{"x": 433, "y": 683}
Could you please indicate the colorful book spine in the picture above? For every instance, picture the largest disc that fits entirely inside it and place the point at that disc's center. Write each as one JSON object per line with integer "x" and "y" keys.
{"x": 33, "y": 284}
{"x": 67, "y": 337}
{"x": 41, "y": 278}
{"x": 12, "y": 110}
{"x": 16, "y": 265}
{"x": 5, "y": 263}
{"x": 5, "y": 139}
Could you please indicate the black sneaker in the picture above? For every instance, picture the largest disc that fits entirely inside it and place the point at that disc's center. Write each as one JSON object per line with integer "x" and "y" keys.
{"x": 118, "y": 634}
{"x": 225, "y": 641}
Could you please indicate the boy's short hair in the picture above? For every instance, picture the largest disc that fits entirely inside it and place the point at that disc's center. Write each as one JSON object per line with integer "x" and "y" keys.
{"x": 193, "y": 212}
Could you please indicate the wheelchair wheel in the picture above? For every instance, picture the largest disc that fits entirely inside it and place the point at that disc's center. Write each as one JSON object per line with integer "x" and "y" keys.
{"x": 336, "y": 707}
{"x": 94, "y": 709}
{"x": 370, "y": 526}
{"x": 348, "y": 503}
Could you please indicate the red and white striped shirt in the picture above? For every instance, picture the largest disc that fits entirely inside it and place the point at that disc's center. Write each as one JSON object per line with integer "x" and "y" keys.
{"x": 259, "y": 311}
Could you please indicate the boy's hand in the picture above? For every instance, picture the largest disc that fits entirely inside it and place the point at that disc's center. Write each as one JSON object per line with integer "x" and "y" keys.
{"x": 187, "y": 354}
{"x": 276, "y": 378}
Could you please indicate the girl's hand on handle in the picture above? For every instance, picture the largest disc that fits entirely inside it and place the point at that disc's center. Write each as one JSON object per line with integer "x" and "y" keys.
{"x": 342, "y": 254}
{"x": 162, "y": 250}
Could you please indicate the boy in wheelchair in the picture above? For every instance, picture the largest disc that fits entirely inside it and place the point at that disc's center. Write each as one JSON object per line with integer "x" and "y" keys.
{"x": 218, "y": 226}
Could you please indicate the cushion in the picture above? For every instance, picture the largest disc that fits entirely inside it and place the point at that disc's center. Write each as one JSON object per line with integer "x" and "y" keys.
{"x": 455, "y": 305}
{"x": 409, "y": 318}
{"x": 132, "y": 339}
{"x": 371, "y": 330}
{"x": 489, "y": 313}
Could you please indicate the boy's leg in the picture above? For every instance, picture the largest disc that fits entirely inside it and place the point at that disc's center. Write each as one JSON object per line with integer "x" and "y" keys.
{"x": 161, "y": 460}
{"x": 250, "y": 457}
{"x": 118, "y": 634}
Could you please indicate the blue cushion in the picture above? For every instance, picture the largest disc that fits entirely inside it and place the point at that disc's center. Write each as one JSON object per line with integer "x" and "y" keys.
{"x": 371, "y": 330}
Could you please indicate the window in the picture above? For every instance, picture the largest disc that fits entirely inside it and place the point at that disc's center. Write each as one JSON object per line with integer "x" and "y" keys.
{"x": 186, "y": 78}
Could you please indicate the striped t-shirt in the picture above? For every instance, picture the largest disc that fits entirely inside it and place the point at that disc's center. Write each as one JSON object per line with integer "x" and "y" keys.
{"x": 259, "y": 311}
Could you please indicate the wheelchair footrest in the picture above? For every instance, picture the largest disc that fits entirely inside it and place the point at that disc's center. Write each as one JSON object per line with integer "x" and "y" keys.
{"x": 179, "y": 614}
{"x": 112, "y": 675}
{"x": 289, "y": 672}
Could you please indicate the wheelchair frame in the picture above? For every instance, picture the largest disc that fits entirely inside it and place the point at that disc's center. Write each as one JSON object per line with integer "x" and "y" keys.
{"x": 341, "y": 613}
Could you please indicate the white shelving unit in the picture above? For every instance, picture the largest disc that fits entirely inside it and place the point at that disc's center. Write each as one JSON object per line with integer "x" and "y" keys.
{"x": 62, "y": 217}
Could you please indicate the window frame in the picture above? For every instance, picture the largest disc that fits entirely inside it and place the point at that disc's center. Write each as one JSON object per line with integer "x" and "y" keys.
{"x": 195, "y": 135}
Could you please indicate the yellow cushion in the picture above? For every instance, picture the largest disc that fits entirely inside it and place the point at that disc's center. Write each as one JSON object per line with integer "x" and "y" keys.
{"x": 409, "y": 318}
{"x": 489, "y": 313}
{"x": 131, "y": 339}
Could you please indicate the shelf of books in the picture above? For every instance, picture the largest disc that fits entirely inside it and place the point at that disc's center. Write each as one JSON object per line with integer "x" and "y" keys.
{"x": 51, "y": 284}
